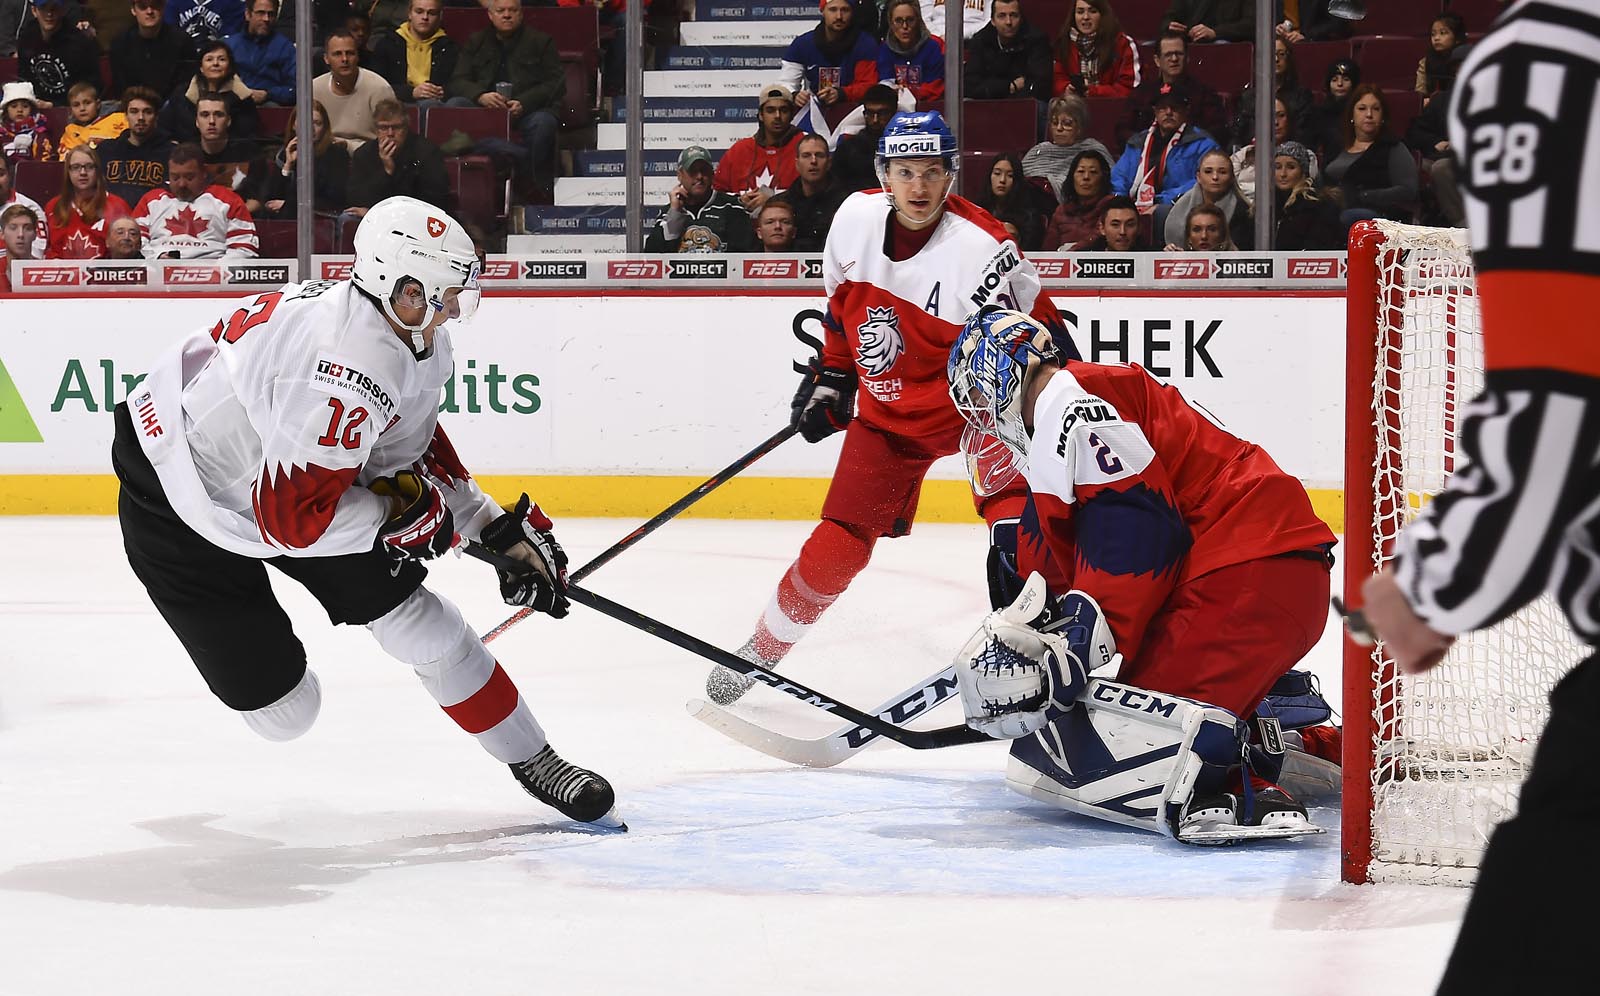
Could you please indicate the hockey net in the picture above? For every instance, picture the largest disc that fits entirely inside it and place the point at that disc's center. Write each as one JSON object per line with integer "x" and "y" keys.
{"x": 1432, "y": 762}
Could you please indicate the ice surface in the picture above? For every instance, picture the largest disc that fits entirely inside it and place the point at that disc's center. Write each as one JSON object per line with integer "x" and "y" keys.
{"x": 149, "y": 843}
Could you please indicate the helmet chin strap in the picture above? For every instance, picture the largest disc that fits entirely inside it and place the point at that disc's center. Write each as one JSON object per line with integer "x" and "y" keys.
{"x": 418, "y": 346}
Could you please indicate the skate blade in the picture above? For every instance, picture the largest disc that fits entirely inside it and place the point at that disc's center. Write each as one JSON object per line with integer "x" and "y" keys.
{"x": 1223, "y": 836}
{"x": 611, "y": 821}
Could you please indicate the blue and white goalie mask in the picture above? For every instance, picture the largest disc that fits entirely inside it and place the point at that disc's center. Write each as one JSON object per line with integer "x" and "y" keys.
{"x": 988, "y": 367}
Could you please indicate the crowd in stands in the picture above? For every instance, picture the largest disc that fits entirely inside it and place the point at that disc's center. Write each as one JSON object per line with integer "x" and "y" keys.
{"x": 170, "y": 124}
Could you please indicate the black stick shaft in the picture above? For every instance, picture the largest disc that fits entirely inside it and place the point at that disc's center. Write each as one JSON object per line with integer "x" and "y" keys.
{"x": 672, "y": 511}
{"x": 950, "y": 736}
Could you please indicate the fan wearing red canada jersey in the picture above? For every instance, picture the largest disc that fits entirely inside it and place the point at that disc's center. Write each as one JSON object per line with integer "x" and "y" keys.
{"x": 1198, "y": 561}
{"x": 301, "y": 432}
{"x": 904, "y": 267}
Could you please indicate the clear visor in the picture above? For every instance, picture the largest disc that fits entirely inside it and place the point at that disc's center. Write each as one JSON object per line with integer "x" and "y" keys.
{"x": 461, "y": 306}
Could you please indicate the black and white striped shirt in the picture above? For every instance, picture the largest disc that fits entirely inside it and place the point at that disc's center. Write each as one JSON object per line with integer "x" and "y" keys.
{"x": 1522, "y": 514}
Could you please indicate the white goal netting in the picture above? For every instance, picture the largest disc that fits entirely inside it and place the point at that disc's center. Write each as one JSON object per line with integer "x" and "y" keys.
{"x": 1451, "y": 748}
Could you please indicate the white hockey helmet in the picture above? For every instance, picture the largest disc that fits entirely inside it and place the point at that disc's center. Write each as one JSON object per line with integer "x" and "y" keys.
{"x": 403, "y": 238}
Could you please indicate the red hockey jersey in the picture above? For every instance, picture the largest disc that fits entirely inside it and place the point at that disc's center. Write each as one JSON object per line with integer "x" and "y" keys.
{"x": 1135, "y": 491}
{"x": 895, "y": 321}
{"x": 749, "y": 164}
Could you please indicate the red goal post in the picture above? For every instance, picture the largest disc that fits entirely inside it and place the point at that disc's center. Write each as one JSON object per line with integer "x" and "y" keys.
{"x": 1432, "y": 763}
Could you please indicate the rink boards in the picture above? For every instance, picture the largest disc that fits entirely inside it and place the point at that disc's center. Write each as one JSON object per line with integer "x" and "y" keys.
{"x": 616, "y": 404}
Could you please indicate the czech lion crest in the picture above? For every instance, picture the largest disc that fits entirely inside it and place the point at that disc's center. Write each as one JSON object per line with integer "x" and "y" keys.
{"x": 878, "y": 341}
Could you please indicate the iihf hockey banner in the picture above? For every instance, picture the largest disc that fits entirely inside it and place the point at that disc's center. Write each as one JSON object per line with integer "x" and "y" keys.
{"x": 606, "y": 392}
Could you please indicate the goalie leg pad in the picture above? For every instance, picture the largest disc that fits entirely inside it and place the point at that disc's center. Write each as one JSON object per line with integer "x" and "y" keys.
{"x": 1127, "y": 755}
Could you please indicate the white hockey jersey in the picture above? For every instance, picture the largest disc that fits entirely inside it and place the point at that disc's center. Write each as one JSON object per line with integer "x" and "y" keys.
{"x": 894, "y": 321}
{"x": 265, "y": 427}
{"x": 214, "y": 224}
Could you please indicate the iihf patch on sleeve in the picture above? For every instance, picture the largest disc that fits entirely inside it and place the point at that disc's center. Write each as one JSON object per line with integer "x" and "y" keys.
{"x": 334, "y": 373}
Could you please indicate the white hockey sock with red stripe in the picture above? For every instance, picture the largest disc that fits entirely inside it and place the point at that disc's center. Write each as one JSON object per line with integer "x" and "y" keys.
{"x": 427, "y": 632}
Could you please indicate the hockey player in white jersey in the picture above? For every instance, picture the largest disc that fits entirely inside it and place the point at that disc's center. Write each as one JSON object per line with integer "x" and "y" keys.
{"x": 301, "y": 432}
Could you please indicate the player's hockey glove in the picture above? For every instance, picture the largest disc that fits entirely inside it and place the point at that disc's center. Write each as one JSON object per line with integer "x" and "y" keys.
{"x": 825, "y": 402}
{"x": 423, "y": 527}
{"x": 524, "y": 534}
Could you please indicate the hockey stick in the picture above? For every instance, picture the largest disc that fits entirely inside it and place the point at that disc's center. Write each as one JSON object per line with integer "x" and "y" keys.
{"x": 840, "y": 745}
{"x": 711, "y": 484}
{"x": 950, "y": 736}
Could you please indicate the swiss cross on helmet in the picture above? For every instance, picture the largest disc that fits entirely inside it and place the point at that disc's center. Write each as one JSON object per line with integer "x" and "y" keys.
{"x": 988, "y": 366}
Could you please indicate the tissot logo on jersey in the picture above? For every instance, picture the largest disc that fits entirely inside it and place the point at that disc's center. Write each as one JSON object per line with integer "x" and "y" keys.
{"x": 879, "y": 342}
{"x": 994, "y": 274}
{"x": 336, "y": 373}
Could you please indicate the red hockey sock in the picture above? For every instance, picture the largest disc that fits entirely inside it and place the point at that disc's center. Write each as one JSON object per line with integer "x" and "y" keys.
{"x": 828, "y": 562}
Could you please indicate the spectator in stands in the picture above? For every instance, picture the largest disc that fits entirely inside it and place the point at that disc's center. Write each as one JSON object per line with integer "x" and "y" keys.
{"x": 135, "y": 162}
{"x": 855, "y": 155}
{"x": 1215, "y": 184}
{"x": 835, "y": 62}
{"x": 88, "y": 126}
{"x": 18, "y": 223}
{"x": 758, "y": 166}
{"x": 227, "y": 159}
{"x": 1304, "y": 220}
{"x": 1094, "y": 58}
{"x": 206, "y": 20}
{"x": 1323, "y": 132}
{"x": 24, "y": 131}
{"x": 122, "y": 239}
{"x": 109, "y": 18}
{"x": 1429, "y": 136}
{"x": 152, "y": 53}
{"x": 270, "y": 191}
{"x": 775, "y": 226}
{"x": 1437, "y": 69}
{"x": 1172, "y": 65}
{"x": 216, "y": 78}
{"x": 698, "y": 218}
{"x": 815, "y": 196}
{"x": 1205, "y": 229}
{"x": 1373, "y": 175}
{"x": 265, "y": 59}
{"x": 11, "y": 197}
{"x": 1008, "y": 57}
{"x": 417, "y": 58}
{"x": 1308, "y": 20}
{"x": 385, "y": 16}
{"x": 1006, "y": 196}
{"x": 513, "y": 67}
{"x": 974, "y": 15}
{"x": 1213, "y": 20}
{"x": 359, "y": 24}
{"x": 1066, "y": 136}
{"x": 1119, "y": 229}
{"x": 187, "y": 219}
{"x": 351, "y": 94}
{"x": 1083, "y": 200}
{"x": 1244, "y": 160}
{"x": 53, "y": 53}
{"x": 80, "y": 213}
{"x": 398, "y": 163}
{"x": 910, "y": 59}
{"x": 1297, "y": 100}
{"x": 1159, "y": 165}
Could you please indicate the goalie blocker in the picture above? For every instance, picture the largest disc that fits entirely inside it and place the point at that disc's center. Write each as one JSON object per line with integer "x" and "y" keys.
{"x": 1109, "y": 750}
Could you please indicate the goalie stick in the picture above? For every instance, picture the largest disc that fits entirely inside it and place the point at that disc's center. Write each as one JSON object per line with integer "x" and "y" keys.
{"x": 711, "y": 484}
{"x": 950, "y": 736}
{"x": 843, "y": 743}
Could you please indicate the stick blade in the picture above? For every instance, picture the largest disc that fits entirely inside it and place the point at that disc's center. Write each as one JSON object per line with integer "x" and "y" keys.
{"x": 823, "y": 753}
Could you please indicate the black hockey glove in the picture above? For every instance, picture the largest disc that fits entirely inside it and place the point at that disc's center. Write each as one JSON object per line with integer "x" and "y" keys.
{"x": 524, "y": 534}
{"x": 423, "y": 528}
{"x": 825, "y": 402}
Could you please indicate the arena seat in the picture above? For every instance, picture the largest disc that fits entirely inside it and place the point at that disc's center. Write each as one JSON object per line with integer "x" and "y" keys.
{"x": 1390, "y": 62}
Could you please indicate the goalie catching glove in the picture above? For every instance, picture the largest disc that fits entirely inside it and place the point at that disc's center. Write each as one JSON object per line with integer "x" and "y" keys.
{"x": 421, "y": 527}
{"x": 825, "y": 402}
{"x": 524, "y": 534}
{"x": 1032, "y": 656}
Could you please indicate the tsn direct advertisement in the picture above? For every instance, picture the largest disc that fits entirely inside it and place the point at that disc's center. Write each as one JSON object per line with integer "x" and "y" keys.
{"x": 676, "y": 384}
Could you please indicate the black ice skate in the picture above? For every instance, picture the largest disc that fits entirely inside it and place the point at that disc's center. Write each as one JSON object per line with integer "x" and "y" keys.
{"x": 725, "y": 687}
{"x": 577, "y": 793}
{"x": 1219, "y": 819}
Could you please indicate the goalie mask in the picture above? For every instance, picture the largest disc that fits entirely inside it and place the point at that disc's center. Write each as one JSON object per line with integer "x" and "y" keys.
{"x": 909, "y": 140}
{"x": 403, "y": 241}
{"x": 987, "y": 370}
